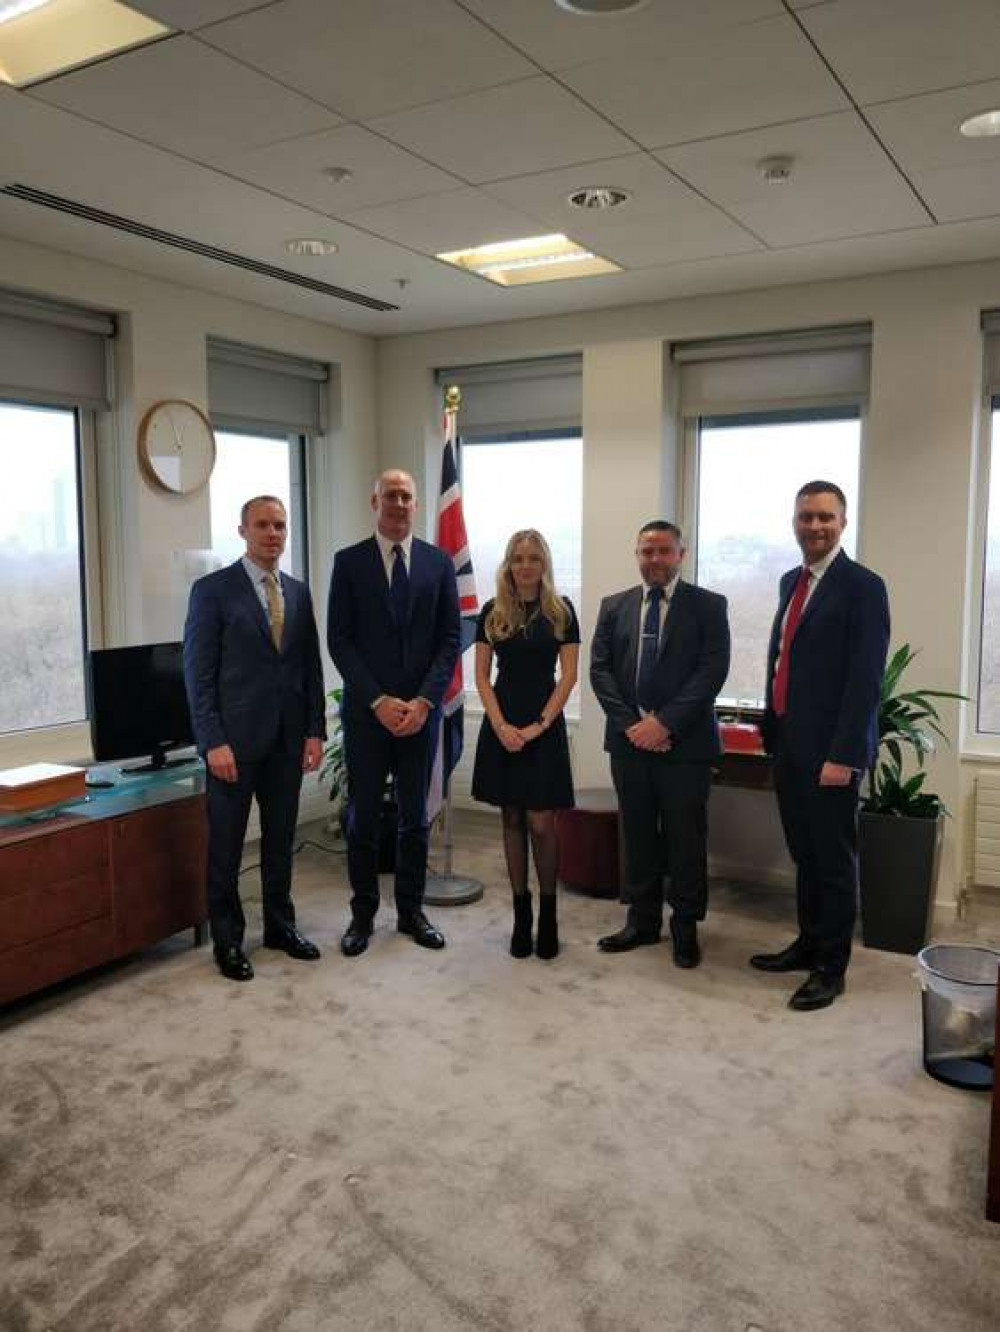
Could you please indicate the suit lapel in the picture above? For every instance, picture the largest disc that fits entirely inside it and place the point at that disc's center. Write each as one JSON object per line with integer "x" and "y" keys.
{"x": 631, "y": 610}
{"x": 244, "y": 589}
{"x": 675, "y": 607}
{"x": 825, "y": 588}
{"x": 290, "y": 595}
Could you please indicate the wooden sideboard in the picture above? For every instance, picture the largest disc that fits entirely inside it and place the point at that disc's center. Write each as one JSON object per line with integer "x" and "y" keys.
{"x": 993, "y": 1168}
{"x": 99, "y": 879}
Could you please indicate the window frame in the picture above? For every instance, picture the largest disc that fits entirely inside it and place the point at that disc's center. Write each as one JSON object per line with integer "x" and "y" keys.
{"x": 55, "y": 741}
{"x": 974, "y": 744}
{"x": 473, "y": 703}
{"x": 846, "y": 410}
{"x": 298, "y": 443}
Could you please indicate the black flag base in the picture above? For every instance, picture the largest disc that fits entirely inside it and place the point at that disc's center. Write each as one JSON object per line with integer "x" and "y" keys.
{"x": 452, "y": 889}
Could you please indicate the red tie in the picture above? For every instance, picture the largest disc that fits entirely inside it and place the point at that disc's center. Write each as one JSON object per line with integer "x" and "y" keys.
{"x": 779, "y": 692}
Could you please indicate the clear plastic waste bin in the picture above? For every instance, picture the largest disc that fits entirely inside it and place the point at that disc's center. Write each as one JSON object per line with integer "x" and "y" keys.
{"x": 959, "y": 984}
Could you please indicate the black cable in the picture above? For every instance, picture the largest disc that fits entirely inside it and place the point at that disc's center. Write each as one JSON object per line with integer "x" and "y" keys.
{"x": 318, "y": 846}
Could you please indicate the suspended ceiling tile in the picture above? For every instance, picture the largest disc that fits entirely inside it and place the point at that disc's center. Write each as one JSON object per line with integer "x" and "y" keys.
{"x": 381, "y": 171}
{"x": 191, "y": 14}
{"x": 532, "y": 125}
{"x": 842, "y": 183}
{"x": 556, "y": 38}
{"x": 890, "y": 48}
{"x": 716, "y": 82}
{"x": 961, "y": 193}
{"x": 663, "y": 222}
{"x": 366, "y": 58}
{"x": 184, "y": 96}
{"x": 922, "y": 132}
{"x": 439, "y": 223}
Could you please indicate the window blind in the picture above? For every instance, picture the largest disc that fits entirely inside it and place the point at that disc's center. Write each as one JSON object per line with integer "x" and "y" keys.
{"x": 54, "y": 354}
{"x": 777, "y": 371}
{"x": 265, "y": 392}
{"x": 503, "y": 397}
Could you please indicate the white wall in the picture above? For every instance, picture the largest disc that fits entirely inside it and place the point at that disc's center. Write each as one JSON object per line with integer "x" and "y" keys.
{"x": 161, "y": 353}
{"x": 917, "y": 470}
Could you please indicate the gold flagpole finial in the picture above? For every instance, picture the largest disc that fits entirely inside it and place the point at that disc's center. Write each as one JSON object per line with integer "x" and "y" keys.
{"x": 452, "y": 398}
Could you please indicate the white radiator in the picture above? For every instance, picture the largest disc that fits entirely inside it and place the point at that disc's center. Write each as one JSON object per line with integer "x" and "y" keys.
{"x": 986, "y": 849}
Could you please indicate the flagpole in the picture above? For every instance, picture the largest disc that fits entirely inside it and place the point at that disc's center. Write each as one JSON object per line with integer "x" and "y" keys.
{"x": 448, "y": 888}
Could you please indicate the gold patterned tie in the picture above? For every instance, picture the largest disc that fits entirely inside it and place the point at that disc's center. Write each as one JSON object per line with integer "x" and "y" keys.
{"x": 275, "y": 608}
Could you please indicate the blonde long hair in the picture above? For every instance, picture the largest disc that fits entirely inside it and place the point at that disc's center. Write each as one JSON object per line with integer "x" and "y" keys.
{"x": 509, "y": 615}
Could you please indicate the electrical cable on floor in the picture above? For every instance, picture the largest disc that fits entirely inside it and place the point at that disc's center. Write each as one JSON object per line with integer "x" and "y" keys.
{"x": 331, "y": 850}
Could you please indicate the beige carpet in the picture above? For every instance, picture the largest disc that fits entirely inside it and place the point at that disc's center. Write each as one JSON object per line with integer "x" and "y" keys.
{"x": 459, "y": 1140}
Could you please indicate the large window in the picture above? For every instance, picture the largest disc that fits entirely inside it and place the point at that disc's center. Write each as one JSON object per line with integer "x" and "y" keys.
{"x": 258, "y": 464}
{"x": 517, "y": 481}
{"x": 41, "y": 569}
{"x": 748, "y": 469}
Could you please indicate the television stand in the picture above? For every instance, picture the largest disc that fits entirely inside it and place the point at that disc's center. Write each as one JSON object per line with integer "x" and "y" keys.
{"x": 158, "y": 761}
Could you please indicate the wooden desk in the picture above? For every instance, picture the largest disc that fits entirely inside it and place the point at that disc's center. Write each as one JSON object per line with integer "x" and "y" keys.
{"x": 100, "y": 878}
{"x": 993, "y": 1169}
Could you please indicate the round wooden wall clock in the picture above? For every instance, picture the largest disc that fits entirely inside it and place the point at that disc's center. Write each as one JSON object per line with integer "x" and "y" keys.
{"x": 176, "y": 446}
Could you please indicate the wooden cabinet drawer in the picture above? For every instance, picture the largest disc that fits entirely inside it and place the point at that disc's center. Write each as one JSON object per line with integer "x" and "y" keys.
{"x": 45, "y": 909}
{"x": 32, "y": 966}
{"x": 37, "y": 860}
{"x": 158, "y": 859}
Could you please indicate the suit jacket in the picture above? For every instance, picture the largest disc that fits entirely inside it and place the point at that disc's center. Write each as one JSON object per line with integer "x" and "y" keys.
{"x": 241, "y": 690}
{"x": 836, "y": 663}
{"x": 371, "y": 654}
{"x": 691, "y": 668}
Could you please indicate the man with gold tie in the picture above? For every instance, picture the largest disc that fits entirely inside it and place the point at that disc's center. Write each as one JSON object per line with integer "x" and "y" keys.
{"x": 255, "y": 689}
{"x": 824, "y": 672}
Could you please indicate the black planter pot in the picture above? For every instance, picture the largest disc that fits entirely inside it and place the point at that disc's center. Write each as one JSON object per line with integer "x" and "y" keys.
{"x": 898, "y": 860}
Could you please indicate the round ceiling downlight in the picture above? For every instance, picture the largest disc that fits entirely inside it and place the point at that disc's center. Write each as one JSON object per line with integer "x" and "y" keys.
{"x": 598, "y": 8}
{"x": 985, "y": 125}
{"x": 598, "y": 198}
{"x": 311, "y": 247}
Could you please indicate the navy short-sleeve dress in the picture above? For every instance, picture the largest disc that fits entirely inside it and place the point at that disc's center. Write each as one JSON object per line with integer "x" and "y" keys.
{"x": 538, "y": 776}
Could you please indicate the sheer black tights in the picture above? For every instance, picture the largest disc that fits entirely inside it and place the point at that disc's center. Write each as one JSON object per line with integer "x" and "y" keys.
{"x": 540, "y": 825}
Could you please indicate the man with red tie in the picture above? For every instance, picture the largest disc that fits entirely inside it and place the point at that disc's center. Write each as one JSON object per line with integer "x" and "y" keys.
{"x": 824, "y": 671}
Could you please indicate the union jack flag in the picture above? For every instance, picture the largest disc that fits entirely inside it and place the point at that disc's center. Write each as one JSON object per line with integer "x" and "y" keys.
{"x": 452, "y": 539}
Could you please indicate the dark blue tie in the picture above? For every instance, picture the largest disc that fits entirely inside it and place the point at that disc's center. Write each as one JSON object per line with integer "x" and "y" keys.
{"x": 648, "y": 649}
{"x": 399, "y": 590}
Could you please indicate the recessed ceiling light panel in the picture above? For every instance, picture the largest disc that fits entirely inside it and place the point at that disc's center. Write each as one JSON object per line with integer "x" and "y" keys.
{"x": 531, "y": 259}
{"x": 338, "y": 175}
{"x": 598, "y": 8}
{"x": 985, "y": 125}
{"x": 311, "y": 247}
{"x": 38, "y": 40}
{"x": 596, "y": 198}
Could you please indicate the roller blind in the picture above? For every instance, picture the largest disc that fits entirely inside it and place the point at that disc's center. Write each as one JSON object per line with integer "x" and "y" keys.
{"x": 991, "y": 332}
{"x": 778, "y": 371}
{"x": 261, "y": 391}
{"x": 542, "y": 394}
{"x": 52, "y": 353}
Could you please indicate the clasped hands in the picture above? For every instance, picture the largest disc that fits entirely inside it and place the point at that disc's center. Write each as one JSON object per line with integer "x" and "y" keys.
{"x": 514, "y": 738}
{"x": 650, "y": 734}
{"x": 402, "y": 718}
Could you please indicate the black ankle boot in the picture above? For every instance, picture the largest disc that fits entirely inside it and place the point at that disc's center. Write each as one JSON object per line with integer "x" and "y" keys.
{"x": 547, "y": 945}
{"x": 520, "y": 940}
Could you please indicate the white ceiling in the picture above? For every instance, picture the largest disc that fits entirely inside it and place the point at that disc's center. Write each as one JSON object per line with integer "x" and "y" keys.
{"x": 466, "y": 121}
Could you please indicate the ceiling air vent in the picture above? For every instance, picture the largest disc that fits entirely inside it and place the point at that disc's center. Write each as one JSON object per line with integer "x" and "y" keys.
{"x": 145, "y": 232}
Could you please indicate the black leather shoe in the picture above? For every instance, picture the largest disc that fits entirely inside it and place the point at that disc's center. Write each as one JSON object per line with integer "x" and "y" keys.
{"x": 419, "y": 928}
{"x": 233, "y": 963}
{"x": 684, "y": 937}
{"x": 796, "y": 957}
{"x": 819, "y": 991}
{"x": 626, "y": 939}
{"x": 293, "y": 943}
{"x": 355, "y": 938}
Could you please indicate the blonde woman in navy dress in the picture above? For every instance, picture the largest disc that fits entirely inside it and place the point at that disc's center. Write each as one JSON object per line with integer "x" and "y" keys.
{"x": 522, "y": 759}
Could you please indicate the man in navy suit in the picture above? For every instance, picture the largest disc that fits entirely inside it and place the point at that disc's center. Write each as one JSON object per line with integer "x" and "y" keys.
{"x": 824, "y": 673}
{"x": 659, "y": 657}
{"x": 255, "y": 689}
{"x": 394, "y": 635}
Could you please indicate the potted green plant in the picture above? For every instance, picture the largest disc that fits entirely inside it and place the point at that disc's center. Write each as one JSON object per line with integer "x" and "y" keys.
{"x": 901, "y": 826}
{"x": 334, "y": 770}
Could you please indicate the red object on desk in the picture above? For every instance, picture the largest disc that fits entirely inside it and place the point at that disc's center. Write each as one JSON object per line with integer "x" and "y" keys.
{"x": 741, "y": 738}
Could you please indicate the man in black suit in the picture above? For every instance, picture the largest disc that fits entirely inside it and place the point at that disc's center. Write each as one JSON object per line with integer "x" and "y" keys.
{"x": 394, "y": 633}
{"x": 660, "y": 655}
{"x": 824, "y": 672}
{"x": 255, "y": 689}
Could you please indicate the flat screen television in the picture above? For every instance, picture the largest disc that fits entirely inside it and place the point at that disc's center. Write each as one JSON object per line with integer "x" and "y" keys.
{"x": 138, "y": 706}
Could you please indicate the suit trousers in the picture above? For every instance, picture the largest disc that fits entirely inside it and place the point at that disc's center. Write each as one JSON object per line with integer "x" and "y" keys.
{"x": 372, "y": 753}
{"x": 664, "y": 808}
{"x": 821, "y": 829}
{"x": 276, "y": 780}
